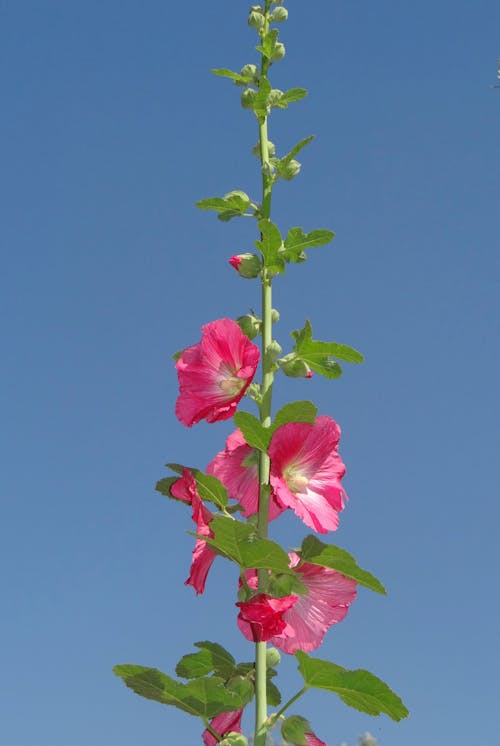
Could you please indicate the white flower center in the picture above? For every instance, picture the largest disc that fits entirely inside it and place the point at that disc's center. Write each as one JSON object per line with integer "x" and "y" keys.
{"x": 294, "y": 479}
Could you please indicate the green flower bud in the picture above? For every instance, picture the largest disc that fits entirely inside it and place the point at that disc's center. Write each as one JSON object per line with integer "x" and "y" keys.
{"x": 248, "y": 98}
{"x": 274, "y": 350}
{"x": 234, "y": 739}
{"x": 247, "y": 265}
{"x": 294, "y": 367}
{"x": 279, "y": 52}
{"x": 275, "y": 97}
{"x": 294, "y": 729}
{"x": 279, "y": 15}
{"x": 250, "y": 71}
{"x": 256, "y": 17}
{"x": 275, "y": 315}
{"x": 290, "y": 170}
{"x": 249, "y": 325}
{"x": 270, "y": 146}
{"x": 273, "y": 657}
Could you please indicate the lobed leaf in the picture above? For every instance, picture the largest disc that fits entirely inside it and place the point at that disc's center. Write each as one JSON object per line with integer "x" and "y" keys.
{"x": 317, "y": 553}
{"x": 232, "y": 205}
{"x": 318, "y": 354}
{"x": 359, "y": 688}
{"x": 297, "y": 242}
{"x": 240, "y": 543}
{"x": 255, "y": 435}
{"x": 270, "y": 245}
{"x": 204, "y": 696}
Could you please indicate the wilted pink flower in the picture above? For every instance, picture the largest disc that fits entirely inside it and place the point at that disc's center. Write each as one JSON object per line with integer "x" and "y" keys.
{"x": 237, "y": 467}
{"x": 215, "y": 373}
{"x": 185, "y": 489}
{"x": 326, "y": 602}
{"x": 261, "y": 618}
{"x": 226, "y": 722}
{"x": 306, "y": 470}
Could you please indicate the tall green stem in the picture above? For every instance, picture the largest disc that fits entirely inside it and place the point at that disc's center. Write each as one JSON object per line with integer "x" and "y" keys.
{"x": 265, "y": 413}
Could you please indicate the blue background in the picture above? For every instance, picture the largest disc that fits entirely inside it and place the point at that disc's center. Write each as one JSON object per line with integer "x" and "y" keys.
{"x": 111, "y": 128}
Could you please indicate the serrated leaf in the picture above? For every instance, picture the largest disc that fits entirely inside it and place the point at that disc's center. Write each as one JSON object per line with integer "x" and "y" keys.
{"x": 296, "y": 411}
{"x": 212, "y": 658}
{"x": 297, "y": 242}
{"x": 240, "y": 543}
{"x": 253, "y": 432}
{"x": 209, "y": 487}
{"x": 326, "y": 555}
{"x": 204, "y": 697}
{"x": 359, "y": 689}
{"x": 318, "y": 354}
{"x": 294, "y": 94}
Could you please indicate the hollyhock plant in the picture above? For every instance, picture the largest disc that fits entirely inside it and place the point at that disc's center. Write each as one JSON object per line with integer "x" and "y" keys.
{"x": 226, "y": 722}
{"x": 306, "y": 470}
{"x": 262, "y": 617}
{"x": 325, "y": 603}
{"x": 296, "y": 730}
{"x": 237, "y": 467}
{"x": 185, "y": 489}
{"x": 215, "y": 373}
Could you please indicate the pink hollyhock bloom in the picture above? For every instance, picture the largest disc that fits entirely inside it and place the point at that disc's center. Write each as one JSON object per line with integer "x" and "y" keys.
{"x": 215, "y": 373}
{"x": 306, "y": 470}
{"x": 203, "y": 556}
{"x": 226, "y": 722}
{"x": 326, "y": 602}
{"x": 261, "y": 618}
{"x": 237, "y": 467}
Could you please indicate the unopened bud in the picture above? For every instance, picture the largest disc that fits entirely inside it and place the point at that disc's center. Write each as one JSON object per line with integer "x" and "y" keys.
{"x": 273, "y": 657}
{"x": 271, "y": 149}
{"x": 234, "y": 739}
{"x": 246, "y": 265}
{"x": 279, "y": 15}
{"x": 290, "y": 170}
{"x": 275, "y": 97}
{"x": 248, "y": 98}
{"x": 250, "y": 71}
{"x": 274, "y": 350}
{"x": 275, "y": 315}
{"x": 279, "y": 52}
{"x": 256, "y": 17}
{"x": 294, "y": 367}
{"x": 249, "y": 325}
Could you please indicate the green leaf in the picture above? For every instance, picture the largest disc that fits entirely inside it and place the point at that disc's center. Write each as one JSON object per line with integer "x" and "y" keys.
{"x": 253, "y": 432}
{"x": 260, "y": 102}
{"x": 294, "y": 94}
{"x": 209, "y": 487}
{"x": 223, "y": 72}
{"x": 204, "y": 697}
{"x": 359, "y": 689}
{"x": 212, "y": 658}
{"x": 243, "y": 687}
{"x": 240, "y": 543}
{"x": 232, "y": 205}
{"x": 280, "y": 585}
{"x": 317, "y": 553}
{"x": 273, "y": 694}
{"x": 302, "y": 144}
{"x": 270, "y": 246}
{"x": 318, "y": 354}
{"x": 297, "y": 242}
{"x": 296, "y": 411}
{"x": 164, "y": 486}
{"x": 268, "y": 43}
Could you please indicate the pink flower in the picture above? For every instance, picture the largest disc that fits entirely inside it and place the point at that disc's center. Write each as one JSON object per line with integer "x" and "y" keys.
{"x": 215, "y": 373}
{"x": 312, "y": 740}
{"x": 226, "y": 722}
{"x": 185, "y": 489}
{"x": 306, "y": 470}
{"x": 326, "y": 602}
{"x": 261, "y": 618}
{"x": 237, "y": 467}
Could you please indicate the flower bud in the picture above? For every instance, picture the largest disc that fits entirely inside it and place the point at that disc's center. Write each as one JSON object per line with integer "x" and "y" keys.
{"x": 246, "y": 265}
{"x": 279, "y": 52}
{"x": 234, "y": 739}
{"x": 273, "y": 657}
{"x": 250, "y": 71}
{"x": 249, "y": 325}
{"x": 294, "y": 367}
{"x": 271, "y": 148}
{"x": 274, "y": 350}
{"x": 248, "y": 98}
{"x": 275, "y": 97}
{"x": 290, "y": 170}
{"x": 279, "y": 15}
{"x": 256, "y": 17}
{"x": 275, "y": 315}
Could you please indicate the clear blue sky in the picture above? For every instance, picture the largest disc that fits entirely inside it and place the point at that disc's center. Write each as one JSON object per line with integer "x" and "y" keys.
{"x": 111, "y": 128}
